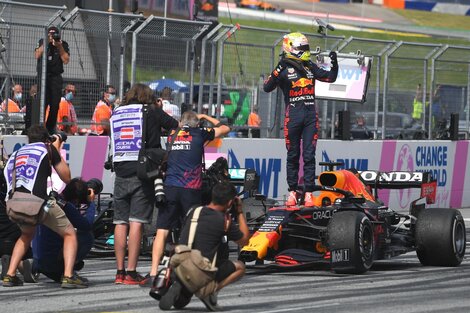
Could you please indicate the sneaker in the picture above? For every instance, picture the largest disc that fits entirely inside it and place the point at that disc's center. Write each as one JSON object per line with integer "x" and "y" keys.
{"x": 292, "y": 198}
{"x": 309, "y": 199}
{"x": 5, "y": 265}
{"x": 12, "y": 281}
{"x": 120, "y": 276}
{"x": 169, "y": 298}
{"x": 26, "y": 269}
{"x": 136, "y": 279}
{"x": 211, "y": 302}
{"x": 73, "y": 282}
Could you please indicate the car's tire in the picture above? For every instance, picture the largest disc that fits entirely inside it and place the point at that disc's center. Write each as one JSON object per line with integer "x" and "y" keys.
{"x": 440, "y": 237}
{"x": 351, "y": 242}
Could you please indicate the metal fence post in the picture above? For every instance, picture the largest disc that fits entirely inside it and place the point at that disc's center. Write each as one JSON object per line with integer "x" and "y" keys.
{"x": 227, "y": 34}
{"x": 134, "y": 46}
{"x": 203, "y": 66}
{"x": 431, "y": 86}
{"x": 384, "y": 104}
{"x": 214, "y": 43}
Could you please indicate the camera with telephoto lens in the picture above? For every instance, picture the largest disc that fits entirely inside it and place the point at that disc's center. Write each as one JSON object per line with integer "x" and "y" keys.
{"x": 96, "y": 185}
{"x": 160, "y": 197}
{"x": 61, "y": 136}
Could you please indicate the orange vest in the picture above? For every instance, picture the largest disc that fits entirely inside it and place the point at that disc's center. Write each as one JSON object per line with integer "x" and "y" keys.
{"x": 254, "y": 120}
{"x": 13, "y": 107}
{"x": 101, "y": 115}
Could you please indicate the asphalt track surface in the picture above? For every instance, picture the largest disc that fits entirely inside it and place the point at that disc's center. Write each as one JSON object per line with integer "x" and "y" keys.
{"x": 397, "y": 285}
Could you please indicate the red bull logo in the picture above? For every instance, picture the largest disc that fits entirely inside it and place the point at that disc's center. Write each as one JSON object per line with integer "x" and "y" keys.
{"x": 302, "y": 82}
{"x": 302, "y": 91}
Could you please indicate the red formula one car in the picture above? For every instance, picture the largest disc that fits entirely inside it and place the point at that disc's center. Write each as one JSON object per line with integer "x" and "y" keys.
{"x": 349, "y": 227}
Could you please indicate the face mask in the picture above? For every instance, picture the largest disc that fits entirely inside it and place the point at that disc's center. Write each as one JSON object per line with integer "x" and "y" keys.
{"x": 18, "y": 96}
{"x": 111, "y": 98}
{"x": 69, "y": 96}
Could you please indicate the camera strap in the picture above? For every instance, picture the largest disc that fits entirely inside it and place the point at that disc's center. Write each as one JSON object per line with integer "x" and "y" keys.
{"x": 192, "y": 231}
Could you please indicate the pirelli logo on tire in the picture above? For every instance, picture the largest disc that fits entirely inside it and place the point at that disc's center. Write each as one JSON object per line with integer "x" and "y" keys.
{"x": 340, "y": 255}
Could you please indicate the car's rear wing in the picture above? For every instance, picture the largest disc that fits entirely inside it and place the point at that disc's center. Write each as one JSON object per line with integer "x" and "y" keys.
{"x": 402, "y": 180}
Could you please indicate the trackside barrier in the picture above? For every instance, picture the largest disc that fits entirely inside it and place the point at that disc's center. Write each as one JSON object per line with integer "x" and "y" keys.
{"x": 446, "y": 160}
{"x": 113, "y": 48}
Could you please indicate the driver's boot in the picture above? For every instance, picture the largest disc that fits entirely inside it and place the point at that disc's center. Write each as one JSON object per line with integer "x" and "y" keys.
{"x": 291, "y": 198}
{"x": 308, "y": 199}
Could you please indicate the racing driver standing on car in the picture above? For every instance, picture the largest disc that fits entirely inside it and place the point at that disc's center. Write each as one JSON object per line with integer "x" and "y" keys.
{"x": 295, "y": 74}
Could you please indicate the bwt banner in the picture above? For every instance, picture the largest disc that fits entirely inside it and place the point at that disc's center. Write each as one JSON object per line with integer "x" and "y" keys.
{"x": 446, "y": 160}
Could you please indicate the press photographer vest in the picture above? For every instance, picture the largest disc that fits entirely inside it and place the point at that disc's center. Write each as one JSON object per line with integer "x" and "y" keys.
{"x": 126, "y": 132}
{"x": 28, "y": 160}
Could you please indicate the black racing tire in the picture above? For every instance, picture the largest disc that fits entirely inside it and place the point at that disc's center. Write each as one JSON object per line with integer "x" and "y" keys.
{"x": 440, "y": 237}
{"x": 351, "y": 242}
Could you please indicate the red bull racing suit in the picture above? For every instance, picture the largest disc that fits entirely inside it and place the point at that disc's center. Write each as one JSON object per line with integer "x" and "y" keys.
{"x": 297, "y": 81}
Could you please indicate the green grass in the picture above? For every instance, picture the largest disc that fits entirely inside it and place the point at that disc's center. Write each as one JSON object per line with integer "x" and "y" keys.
{"x": 437, "y": 20}
{"x": 255, "y": 58}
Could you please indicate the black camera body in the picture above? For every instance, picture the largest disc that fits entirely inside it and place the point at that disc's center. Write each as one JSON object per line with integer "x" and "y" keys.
{"x": 96, "y": 185}
{"x": 61, "y": 136}
{"x": 56, "y": 36}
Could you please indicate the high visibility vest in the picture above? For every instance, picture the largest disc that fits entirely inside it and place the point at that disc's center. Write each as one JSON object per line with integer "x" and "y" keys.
{"x": 417, "y": 109}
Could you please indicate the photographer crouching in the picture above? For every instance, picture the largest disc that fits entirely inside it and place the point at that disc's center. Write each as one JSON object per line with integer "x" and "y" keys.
{"x": 215, "y": 227}
{"x": 27, "y": 173}
{"x": 77, "y": 202}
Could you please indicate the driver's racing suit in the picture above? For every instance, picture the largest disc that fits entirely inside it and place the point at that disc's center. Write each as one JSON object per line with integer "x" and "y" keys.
{"x": 297, "y": 81}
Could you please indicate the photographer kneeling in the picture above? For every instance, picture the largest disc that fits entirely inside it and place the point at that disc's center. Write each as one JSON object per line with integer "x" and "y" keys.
{"x": 77, "y": 202}
{"x": 215, "y": 227}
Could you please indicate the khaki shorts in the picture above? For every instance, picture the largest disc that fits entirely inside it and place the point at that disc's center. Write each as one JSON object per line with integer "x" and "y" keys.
{"x": 56, "y": 220}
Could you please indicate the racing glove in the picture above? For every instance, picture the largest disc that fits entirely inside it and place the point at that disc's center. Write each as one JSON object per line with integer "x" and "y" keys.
{"x": 279, "y": 68}
{"x": 333, "y": 59}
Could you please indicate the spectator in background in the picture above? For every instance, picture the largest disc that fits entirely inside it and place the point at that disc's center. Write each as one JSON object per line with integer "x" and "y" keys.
{"x": 103, "y": 111}
{"x": 418, "y": 104}
{"x": 171, "y": 109}
{"x": 15, "y": 104}
{"x": 437, "y": 106}
{"x": 360, "y": 130}
{"x": 77, "y": 201}
{"x": 57, "y": 54}
{"x": 254, "y": 121}
{"x": 67, "y": 118}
